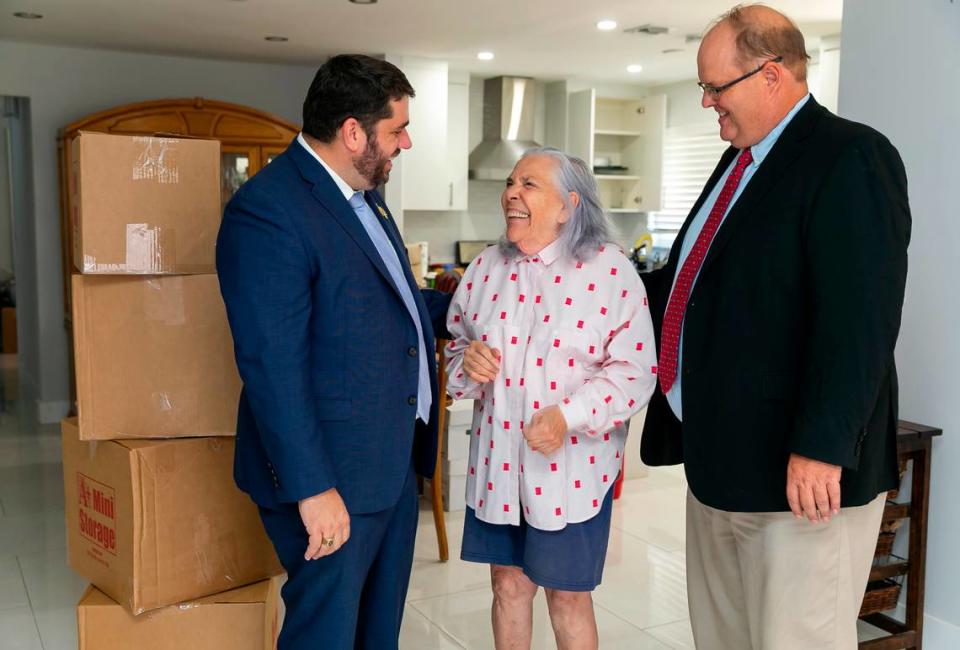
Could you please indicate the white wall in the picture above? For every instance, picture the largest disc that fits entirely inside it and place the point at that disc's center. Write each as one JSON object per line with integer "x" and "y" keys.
{"x": 898, "y": 74}
{"x": 64, "y": 84}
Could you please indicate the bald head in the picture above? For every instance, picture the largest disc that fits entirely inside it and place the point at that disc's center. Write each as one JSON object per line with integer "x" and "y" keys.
{"x": 752, "y": 64}
{"x": 760, "y": 32}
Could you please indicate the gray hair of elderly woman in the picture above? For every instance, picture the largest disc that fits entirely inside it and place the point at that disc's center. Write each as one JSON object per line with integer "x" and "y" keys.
{"x": 588, "y": 228}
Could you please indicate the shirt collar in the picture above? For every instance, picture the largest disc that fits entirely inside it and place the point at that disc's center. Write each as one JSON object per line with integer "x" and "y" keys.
{"x": 549, "y": 253}
{"x": 760, "y": 150}
{"x": 341, "y": 184}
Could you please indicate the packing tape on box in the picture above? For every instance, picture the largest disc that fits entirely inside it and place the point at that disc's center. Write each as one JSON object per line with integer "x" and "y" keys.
{"x": 158, "y": 160}
{"x": 164, "y": 301}
{"x": 162, "y": 403}
{"x": 149, "y": 250}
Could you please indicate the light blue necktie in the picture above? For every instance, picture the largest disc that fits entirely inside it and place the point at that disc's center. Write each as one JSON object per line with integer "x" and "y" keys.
{"x": 375, "y": 230}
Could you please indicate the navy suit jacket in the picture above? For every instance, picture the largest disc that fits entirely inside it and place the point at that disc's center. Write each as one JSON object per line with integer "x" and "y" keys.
{"x": 325, "y": 347}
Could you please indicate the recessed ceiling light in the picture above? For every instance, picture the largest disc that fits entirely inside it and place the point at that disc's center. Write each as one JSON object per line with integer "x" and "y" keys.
{"x": 485, "y": 56}
{"x": 276, "y": 39}
{"x": 634, "y": 68}
{"x": 364, "y": 2}
{"x": 27, "y": 15}
{"x": 607, "y": 25}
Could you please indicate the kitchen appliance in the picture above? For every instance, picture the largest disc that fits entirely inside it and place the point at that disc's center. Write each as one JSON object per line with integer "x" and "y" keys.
{"x": 467, "y": 250}
{"x": 509, "y": 124}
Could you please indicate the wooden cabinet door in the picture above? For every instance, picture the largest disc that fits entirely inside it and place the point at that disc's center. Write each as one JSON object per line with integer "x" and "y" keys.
{"x": 267, "y": 154}
{"x": 237, "y": 164}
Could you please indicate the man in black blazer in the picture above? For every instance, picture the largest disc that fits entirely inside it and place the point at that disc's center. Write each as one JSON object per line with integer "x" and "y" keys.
{"x": 776, "y": 316}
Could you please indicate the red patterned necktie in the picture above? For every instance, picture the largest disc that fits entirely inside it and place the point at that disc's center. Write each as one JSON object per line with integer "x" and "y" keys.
{"x": 673, "y": 318}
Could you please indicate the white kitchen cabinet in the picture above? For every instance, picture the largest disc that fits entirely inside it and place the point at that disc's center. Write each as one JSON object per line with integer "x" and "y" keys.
{"x": 432, "y": 174}
{"x": 458, "y": 139}
{"x": 620, "y": 133}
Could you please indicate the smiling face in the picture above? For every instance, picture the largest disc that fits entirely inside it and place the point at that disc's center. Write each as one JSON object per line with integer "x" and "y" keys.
{"x": 533, "y": 205}
{"x": 389, "y": 138}
{"x": 744, "y": 108}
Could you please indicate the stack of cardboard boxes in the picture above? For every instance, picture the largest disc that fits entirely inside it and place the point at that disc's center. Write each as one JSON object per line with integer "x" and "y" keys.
{"x": 176, "y": 554}
{"x": 455, "y": 454}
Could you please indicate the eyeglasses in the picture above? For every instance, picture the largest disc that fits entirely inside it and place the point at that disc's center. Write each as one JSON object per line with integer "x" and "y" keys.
{"x": 716, "y": 90}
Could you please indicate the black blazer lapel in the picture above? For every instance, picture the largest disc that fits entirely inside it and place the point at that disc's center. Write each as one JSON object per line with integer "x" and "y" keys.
{"x": 788, "y": 147}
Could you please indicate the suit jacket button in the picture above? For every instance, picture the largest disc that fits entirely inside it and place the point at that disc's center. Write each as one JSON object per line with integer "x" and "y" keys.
{"x": 412, "y": 400}
{"x": 411, "y": 351}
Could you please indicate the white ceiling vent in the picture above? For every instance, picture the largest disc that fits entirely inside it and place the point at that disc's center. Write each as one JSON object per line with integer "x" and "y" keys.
{"x": 649, "y": 30}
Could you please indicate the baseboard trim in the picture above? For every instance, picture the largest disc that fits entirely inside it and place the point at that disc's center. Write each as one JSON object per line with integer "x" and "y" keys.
{"x": 937, "y": 634}
{"x": 52, "y": 411}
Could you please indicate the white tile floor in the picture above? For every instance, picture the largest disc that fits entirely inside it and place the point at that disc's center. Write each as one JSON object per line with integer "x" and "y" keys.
{"x": 641, "y": 604}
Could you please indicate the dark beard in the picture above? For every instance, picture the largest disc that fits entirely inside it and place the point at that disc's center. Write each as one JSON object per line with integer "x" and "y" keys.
{"x": 371, "y": 166}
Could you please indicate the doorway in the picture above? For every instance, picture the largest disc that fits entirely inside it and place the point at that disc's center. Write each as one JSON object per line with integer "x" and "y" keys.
{"x": 14, "y": 200}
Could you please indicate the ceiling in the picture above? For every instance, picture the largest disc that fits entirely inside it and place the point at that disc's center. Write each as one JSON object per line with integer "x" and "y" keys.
{"x": 548, "y": 39}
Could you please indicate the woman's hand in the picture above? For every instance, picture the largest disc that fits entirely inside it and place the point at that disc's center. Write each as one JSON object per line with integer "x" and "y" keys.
{"x": 546, "y": 430}
{"x": 482, "y": 363}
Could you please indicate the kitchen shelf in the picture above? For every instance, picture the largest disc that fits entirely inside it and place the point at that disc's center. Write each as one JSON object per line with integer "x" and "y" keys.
{"x": 618, "y": 133}
{"x": 890, "y": 568}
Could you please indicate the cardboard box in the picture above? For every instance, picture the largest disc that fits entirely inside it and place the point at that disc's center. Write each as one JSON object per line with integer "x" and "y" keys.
{"x": 456, "y": 445}
{"x": 241, "y": 619}
{"x": 157, "y": 522}
{"x": 418, "y": 256}
{"x": 153, "y": 357}
{"x": 456, "y": 468}
{"x": 460, "y": 413}
{"x": 456, "y": 442}
{"x": 144, "y": 204}
{"x": 454, "y": 490}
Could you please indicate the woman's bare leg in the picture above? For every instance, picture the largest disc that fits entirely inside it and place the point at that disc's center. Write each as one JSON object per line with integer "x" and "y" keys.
{"x": 571, "y": 614}
{"x": 512, "y": 610}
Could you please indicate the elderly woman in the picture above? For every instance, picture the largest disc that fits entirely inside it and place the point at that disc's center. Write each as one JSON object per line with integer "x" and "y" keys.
{"x": 552, "y": 338}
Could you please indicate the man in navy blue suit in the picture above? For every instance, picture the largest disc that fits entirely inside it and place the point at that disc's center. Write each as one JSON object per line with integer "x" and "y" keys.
{"x": 334, "y": 343}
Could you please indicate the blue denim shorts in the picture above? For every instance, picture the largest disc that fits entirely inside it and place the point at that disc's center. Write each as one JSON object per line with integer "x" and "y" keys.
{"x": 570, "y": 559}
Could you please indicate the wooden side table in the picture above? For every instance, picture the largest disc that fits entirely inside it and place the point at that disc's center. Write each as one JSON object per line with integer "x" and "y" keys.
{"x": 914, "y": 442}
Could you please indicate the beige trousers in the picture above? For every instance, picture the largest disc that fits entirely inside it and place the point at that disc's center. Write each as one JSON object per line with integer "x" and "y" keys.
{"x": 770, "y": 581}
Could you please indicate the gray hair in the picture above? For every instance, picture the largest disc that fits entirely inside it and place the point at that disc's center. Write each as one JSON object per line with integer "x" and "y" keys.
{"x": 588, "y": 228}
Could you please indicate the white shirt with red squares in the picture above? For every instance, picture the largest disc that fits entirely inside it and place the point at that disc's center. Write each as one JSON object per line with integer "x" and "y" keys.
{"x": 574, "y": 334}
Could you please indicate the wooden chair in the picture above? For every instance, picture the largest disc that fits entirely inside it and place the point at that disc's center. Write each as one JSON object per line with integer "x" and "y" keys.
{"x": 436, "y": 484}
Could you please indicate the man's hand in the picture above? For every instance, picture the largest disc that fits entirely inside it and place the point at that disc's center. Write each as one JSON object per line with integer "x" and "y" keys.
{"x": 325, "y": 517}
{"x": 546, "y": 430}
{"x": 813, "y": 488}
{"x": 481, "y": 362}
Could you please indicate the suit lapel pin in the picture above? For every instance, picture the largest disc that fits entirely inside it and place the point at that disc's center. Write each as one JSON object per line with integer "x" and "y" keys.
{"x": 383, "y": 213}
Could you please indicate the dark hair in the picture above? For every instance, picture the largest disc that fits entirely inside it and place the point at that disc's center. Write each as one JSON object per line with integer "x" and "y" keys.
{"x": 352, "y": 85}
{"x": 765, "y": 35}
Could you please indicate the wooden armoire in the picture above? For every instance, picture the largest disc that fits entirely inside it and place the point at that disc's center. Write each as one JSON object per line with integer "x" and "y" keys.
{"x": 249, "y": 140}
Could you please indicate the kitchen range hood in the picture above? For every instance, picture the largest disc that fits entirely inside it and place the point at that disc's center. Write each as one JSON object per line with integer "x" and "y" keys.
{"x": 509, "y": 111}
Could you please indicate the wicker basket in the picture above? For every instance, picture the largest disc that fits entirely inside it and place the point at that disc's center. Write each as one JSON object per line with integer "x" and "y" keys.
{"x": 891, "y": 525}
{"x": 884, "y": 544}
{"x": 892, "y": 494}
{"x": 880, "y": 597}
